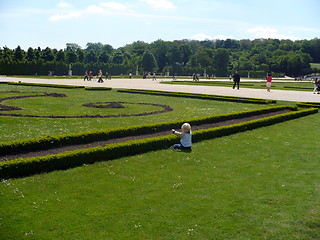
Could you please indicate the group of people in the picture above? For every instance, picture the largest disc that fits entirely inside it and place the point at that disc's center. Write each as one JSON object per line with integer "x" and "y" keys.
{"x": 236, "y": 81}
{"x": 89, "y": 76}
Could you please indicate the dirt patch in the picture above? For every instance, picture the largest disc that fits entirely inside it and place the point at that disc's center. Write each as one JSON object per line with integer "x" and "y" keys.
{"x": 117, "y": 140}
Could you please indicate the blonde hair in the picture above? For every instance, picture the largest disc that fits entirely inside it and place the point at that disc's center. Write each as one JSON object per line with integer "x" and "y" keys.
{"x": 186, "y": 127}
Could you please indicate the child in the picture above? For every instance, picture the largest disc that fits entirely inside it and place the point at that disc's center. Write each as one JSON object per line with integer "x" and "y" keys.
{"x": 186, "y": 137}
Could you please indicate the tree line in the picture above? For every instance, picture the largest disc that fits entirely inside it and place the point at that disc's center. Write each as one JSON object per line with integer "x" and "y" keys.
{"x": 183, "y": 57}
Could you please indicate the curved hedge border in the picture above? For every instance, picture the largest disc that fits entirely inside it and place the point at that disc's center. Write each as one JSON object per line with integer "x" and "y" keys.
{"x": 48, "y": 142}
{"x": 308, "y": 104}
{"x": 200, "y": 96}
{"x": 28, "y": 166}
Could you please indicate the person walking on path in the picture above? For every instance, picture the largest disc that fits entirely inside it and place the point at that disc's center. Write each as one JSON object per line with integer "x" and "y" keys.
{"x": 86, "y": 76}
{"x": 236, "y": 80}
{"x": 154, "y": 77}
{"x": 269, "y": 80}
{"x": 90, "y": 76}
{"x": 100, "y": 77}
{"x": 316, "y": 86}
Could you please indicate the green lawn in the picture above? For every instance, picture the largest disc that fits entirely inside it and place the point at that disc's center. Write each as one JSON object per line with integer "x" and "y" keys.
{"x": 14, "y": 128}
{"x": 259, "y": 184}
{"x": 315, "y": 65}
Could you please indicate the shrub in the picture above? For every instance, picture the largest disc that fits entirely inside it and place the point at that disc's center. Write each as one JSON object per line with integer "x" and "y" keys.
{"x": 308, "y": 104}
{"x": 200, "y": 96}
{"x": 98, "y": 88}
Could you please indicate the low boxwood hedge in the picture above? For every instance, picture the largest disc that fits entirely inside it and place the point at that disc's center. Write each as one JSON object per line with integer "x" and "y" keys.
{"x": 98, "y": 88}
{"x": 48, "y": 142}
{"x": 28, "y": 166}
{"x": 294, "y": 87}
{"x": 199, "y": 96}
{"x": 308, "y": 104}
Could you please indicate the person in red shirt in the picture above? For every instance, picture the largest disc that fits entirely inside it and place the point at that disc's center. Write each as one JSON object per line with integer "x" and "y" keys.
{"x": 269, "y": 80}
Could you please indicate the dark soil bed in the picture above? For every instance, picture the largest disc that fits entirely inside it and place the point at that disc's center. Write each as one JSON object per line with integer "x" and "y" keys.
{"x": 117, "y": 140}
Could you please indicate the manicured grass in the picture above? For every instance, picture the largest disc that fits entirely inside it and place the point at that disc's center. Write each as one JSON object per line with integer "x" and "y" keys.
{"x": 14, "y": 128}
{"x": 315, "y": 65}
{"x": 261, "y": 184}
{"x": 295, "y": 86}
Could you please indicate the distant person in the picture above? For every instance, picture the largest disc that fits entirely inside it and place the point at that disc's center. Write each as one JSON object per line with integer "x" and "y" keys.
{"x": 86, "y": 76}
{"x": 130, "y": 75}
{"x": 100, "y": 80}
{"x": 154, "y": 77}
{"x": 90, "y": 76}
{"x": 236, "y": 80}
{"x": 174, "y": 77}
{"x": 269, "y": 80}
{"x": 316, "y": 86}
{"x": 185, "y": 137}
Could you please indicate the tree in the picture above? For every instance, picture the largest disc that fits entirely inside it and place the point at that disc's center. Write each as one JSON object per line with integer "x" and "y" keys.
{"x": 159, "y": 50}
{"x": 60, "y": 57}
{"x": 104, "y": 57}
{"x": 73, "y": 47}
{"x": 47, "y": 55}
{"x": 137, "y": 48}
{"x": 148, "y": 62}
{"x": 18, "y": 54}
{"x": 91, "y": 57}
{"x": 95, "y": 47}
{"x": 173, "y": 55}
{"x": 202, "y": 58}
{"x": 71, "y": 57}
{"x": 30, "y": 54}
{"x": 118, "y": 57}
{"x": 185, "y": 53}
{"x": 221, "y": 60}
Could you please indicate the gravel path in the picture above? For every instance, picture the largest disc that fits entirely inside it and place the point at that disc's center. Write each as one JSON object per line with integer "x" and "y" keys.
{"x": 295, "y": 96}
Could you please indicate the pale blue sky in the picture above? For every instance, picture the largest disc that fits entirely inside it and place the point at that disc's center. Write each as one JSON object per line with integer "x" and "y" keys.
{"x": 53, "y": 23}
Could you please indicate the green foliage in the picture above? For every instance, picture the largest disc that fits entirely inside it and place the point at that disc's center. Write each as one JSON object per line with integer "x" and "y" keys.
{"x": 98, "y": 88}
{"x": 148, "y": 62}
{"x": 219, "y": 57}
{"x": 308, "y": 104}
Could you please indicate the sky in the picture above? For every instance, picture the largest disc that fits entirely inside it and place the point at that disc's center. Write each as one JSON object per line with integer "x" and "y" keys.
{"x": 54, "y": 23}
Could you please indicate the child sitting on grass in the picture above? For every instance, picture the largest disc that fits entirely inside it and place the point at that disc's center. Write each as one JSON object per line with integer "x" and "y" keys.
{"x": 186, "y": 137}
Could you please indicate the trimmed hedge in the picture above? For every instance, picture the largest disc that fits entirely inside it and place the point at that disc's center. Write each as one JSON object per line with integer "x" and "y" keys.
{"x": 199, "y": 96}
{"x": 44, "y": 85}
{"x": 308, "y": 104}
{"x": 208, "y": 82}
{"x": 302, "y": 88}
{"x": 29, "y": 166}
{"x": 98, "y": 88}
{"x": 48, "y": 142}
